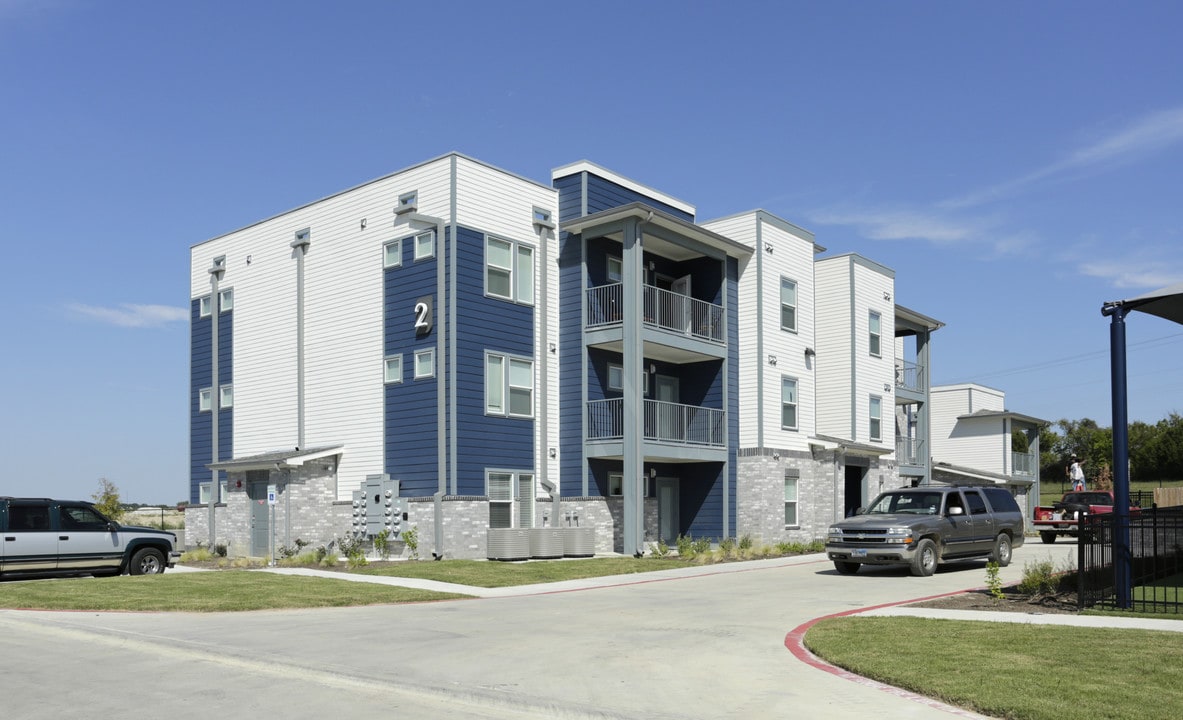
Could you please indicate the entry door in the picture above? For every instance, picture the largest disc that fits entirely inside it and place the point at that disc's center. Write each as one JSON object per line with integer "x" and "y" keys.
{"x": 668, "y": 521}
{"x": 682, "y": 313}
{"x": 670, "y": 423}
{"x": 853, "y": 495}
{"x": 260, "y": 519}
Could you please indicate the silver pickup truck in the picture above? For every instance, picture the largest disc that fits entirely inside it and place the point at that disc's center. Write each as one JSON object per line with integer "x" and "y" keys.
{"x": 922, "y": 526}
{"x": 43, "y": 536}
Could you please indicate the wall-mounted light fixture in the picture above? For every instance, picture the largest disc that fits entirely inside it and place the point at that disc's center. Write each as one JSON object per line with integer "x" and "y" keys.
{"x": 552, "y": 347}
{"x": 653, "y": 473}
{"x": 363, "y": 223}
{"x": 768, "y": 248}
{"x": 652, "y": 369}
{"x": 772, "y": 360}
{"x": 553, "y": 452}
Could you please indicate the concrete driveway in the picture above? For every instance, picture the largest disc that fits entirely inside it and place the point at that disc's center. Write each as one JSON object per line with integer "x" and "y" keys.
{"x": 704, "y": 643}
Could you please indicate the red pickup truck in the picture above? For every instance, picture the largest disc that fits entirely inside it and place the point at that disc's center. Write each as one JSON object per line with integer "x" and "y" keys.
{"x": 1064, "y": 516}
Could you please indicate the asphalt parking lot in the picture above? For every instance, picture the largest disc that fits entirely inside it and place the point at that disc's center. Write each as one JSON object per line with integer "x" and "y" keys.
{"x": 706, "y": 643}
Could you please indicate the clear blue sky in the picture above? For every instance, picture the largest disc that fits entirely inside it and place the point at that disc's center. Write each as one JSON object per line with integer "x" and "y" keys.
{"x": 1016, "y": 164}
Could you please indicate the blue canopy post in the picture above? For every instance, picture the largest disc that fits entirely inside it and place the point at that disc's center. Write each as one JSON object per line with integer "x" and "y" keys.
{"x": 1166, "y": 303}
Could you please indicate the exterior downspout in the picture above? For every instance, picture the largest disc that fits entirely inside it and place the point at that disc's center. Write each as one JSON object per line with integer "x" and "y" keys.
{"x": 544, "y": 228}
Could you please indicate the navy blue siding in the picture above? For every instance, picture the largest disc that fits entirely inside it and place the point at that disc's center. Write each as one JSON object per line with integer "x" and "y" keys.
{"x": 701, "y": 500}
{"x": 571, "y": 380}
{"x": 411, "y": 432}
{"x": 570, "y": 197}
{"x": 604, "y": 195}
{"x": 486, "y": 324}
{"x": 200, "y": 367}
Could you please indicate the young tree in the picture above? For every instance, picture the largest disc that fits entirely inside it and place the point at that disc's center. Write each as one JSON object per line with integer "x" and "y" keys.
{"x": 107, "y": 499}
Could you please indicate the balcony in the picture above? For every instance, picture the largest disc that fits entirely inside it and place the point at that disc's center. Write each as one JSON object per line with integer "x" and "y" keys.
{"x": 663, "y": 309}
{"x": 909, "y": 451}
{"x": 909, "y": 376}
{"x": 664, "y": 422}
{"x": 1023, "y": 463}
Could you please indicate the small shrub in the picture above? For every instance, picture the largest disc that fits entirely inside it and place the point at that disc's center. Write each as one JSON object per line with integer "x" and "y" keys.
{"x": 198, "y": 554}
{"x": 685, "y": 545}
{"x": 329, "y": 559}
{"x": 660, "y": 548}
{"x": 745, "y": 542}
{"x": 701, "y": 546}
{"x": 220, "y": 550}
{"x": 784, "y": 548}
{"x": 1042, "y": 578}
{"x": 411, "y": 540}
{"x": 290, "y": 551}
{"x": 993, "y": 581}
{"x": 304, "y": 559}
{"x": 353, "y": 550}
{"x": 382, "y": 544}
{"x": 727, "y": 547}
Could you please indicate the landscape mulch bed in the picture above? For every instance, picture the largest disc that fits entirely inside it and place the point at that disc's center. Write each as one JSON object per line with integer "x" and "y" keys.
{"x": 1011, "y": 601}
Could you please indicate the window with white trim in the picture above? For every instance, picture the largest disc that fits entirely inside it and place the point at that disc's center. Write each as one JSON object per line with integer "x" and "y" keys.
{"x": 788, "y": 305}
{"x": 509, "y": 270}
{"x": 876, "y": 413}
{"x": 204, "y": 306}
{"x": 392, "y": 369}
{"x": 876, "y": 338}
{"x": 509, "y": 385}
{"x": 226, "y": 300}
{"x": 226, "y": 397}
{"x": 511, "y": 498}
{"x": 788, "y": 403}
{"x": 392, "y": 254}
{"x": 205, "y": 399}
{"x": 615, "y": 269}
{"x": 792, "y": 477}
{"x": 425, "y": 363}
{"x": 425, "y": 245}
{"x": 203, "y": 492}
{"x": 616, "y": 485}
{"x": 615, "y": 377}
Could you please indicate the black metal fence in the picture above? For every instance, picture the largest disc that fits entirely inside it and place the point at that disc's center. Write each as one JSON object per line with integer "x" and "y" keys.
{"x": 1156, "y": 561}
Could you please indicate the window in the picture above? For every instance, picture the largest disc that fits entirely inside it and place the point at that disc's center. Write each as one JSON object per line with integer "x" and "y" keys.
{"x": 392, "y": 254}
{"x": 788, "y": 403}
{"x": 226, "y": 300}
{"x": 788, "y": 305}
{"x": 615, "y": 377}
{"x": 509, "y": 379}
{"x": 81, "y": 517}
{"x": 28, "y": 518}
{"x": 511, "y": 499}
{"x": 615, "y": 269}
{"x": 792, "y": 477}
{"x": 226, "y": 397}
{"x": 425, "y": 245}
{"x": 876, "y": 418}
{"x": 509, "y": 270}
{"x": 203, "y": 492}
{"x": 204, "y": 306}
{"x": 977, "y": 506}
{"x": 875, "y": 338}
{"x": 616, "y": 485}
{"x": 392, "y": 369}
{"x": 205, "y": 397}
{"x": 425, "y": 363}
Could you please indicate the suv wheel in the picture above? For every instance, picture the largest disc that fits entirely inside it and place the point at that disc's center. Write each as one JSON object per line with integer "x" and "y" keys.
{"x": 924, "y": 563}
{"x": 146, "y": 561}
{"x": 1001, "y": 553}
{"x": 846, "y": 568}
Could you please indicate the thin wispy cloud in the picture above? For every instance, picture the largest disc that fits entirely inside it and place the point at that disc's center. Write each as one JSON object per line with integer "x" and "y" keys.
{"x": 899, "y": 224}
{"x": 132, "y": 315}
{"x": 1154, "y": 132}
{"x": 1137, "y": 273}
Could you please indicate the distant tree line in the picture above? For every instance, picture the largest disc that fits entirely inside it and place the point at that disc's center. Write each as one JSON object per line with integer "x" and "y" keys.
{"x": 1156, "y": 451}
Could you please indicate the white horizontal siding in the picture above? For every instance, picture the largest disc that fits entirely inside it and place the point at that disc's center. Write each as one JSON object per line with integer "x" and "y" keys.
{"x": 978, "y": 443}
{"x": 874, "y": 375}
{"x": 832, "y": 332}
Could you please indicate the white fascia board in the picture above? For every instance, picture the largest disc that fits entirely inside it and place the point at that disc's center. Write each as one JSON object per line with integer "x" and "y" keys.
{"x": 590, "y": 167}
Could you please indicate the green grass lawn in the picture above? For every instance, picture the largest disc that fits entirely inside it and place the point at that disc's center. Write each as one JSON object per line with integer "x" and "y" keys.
{"x": 1019, "y": 672}
{"x": 222, "y": 591}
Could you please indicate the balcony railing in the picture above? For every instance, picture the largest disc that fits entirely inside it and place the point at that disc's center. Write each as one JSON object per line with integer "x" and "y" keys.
{"x": 664, "y": 422}
{"x": 662, "y": 308}
{"x": 1022, "y": 463}
{"x": 909, "y": 375}
{"x": 909, "y": 451}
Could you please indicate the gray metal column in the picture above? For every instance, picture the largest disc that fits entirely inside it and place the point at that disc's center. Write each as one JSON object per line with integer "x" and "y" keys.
{"x": 633, "y": 300}
{"x": 217, "y": 269}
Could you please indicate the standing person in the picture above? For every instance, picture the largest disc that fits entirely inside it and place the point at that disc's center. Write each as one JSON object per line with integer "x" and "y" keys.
{"x": 1076, "y": 473}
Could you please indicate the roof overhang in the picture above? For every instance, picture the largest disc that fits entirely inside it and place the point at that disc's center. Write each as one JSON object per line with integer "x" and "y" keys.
{"x": 849, "y": 447}
{"x": 607, "y": 222}
{"x": 1004, "y": 414}
{"x": 277, "y": 459}
{"x": 981, "y": 475}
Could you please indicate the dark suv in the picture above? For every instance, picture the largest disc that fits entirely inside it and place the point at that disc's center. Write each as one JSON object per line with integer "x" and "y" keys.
{"x": 62, "y": 536}
{"x": 922, "y": 526}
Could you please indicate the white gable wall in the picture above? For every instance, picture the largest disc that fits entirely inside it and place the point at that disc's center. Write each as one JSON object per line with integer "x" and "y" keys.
{"x": 979, "y": 443}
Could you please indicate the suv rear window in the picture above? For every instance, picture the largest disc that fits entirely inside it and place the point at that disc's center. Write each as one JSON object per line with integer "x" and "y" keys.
{"x": 1001, "y": 500}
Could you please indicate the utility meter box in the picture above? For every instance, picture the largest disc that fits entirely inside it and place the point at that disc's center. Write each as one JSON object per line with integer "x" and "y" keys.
{"x": 378, "y": 507}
